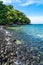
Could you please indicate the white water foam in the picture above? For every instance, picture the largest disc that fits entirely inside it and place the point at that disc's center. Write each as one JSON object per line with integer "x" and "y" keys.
{"x": 40, "y": 36}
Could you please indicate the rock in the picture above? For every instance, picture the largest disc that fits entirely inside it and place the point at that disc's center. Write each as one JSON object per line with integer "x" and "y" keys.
{"x": 18, "y": 42}
{"x": 14, "y": 52}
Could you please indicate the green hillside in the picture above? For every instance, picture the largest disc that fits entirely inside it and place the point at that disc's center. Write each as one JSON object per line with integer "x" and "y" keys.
{"x": 9, "y": 15}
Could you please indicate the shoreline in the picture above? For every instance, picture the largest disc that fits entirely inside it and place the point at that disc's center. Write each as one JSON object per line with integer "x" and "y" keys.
{"x": 8, "y": 45}
{"x": 14, "y": 52}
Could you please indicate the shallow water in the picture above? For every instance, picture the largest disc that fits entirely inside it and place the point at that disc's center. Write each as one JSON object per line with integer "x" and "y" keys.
{"x": 32, "y": 35}
{"x": 29, "y": 33}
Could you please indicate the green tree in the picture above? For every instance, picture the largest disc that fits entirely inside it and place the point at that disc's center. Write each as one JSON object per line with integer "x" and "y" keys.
{"x": 8, "y": 15}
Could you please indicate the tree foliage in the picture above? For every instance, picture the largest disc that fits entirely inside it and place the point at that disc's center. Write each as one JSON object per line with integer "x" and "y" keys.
{"x": 8, "y": 15}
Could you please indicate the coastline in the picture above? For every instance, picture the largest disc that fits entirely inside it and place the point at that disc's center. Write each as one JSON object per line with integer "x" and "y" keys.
{"x": 15, "y": 52}
{"x": 8, "y": 43}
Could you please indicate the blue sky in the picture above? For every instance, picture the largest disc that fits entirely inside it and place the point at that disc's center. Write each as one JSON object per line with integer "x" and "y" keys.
{"x": 32, "y": 8}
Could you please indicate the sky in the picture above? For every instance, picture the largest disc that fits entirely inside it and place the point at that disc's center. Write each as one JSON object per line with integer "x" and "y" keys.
{"x": 32, "y": 9}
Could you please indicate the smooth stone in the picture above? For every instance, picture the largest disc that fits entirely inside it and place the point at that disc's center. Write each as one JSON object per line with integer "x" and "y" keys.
{"x": 18, "y": 42}
{"x": 41, "y": 63}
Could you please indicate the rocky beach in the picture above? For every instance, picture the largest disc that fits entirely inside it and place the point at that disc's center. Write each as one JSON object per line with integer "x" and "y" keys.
{"x": 14, "y": 52}
{"x": 21, "y": 32}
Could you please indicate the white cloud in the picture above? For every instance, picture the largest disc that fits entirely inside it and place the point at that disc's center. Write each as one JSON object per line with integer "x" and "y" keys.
{"x": 29, "y": 2}
{"x": 24, "y": 2}
{"x": 6, "y": 1}
{"x": 17, "y": 0}
{"x": 10, "y": 1}
{"x": 36, "y": 19}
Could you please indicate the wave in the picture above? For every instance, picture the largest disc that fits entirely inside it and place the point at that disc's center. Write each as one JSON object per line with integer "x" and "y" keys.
{"x": 40, "y": 36}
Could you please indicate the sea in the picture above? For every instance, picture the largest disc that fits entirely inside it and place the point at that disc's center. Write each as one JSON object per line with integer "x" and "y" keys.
{"x": 32, "y": 36}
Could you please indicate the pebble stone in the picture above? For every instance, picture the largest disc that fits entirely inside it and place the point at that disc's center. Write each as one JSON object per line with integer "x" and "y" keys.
{"x": 12, "y": 53}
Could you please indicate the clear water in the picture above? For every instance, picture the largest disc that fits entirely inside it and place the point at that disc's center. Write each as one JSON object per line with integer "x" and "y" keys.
{"x": 30, "y": 34}
{"x": 35, "y": 35}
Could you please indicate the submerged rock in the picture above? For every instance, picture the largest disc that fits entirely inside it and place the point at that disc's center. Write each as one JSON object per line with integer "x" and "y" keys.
{"x": 14, "y": 52}
{"x": 18, "y": 42}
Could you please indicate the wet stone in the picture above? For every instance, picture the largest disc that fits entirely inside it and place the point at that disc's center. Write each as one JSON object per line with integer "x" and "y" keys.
{"x": 14, "y": 52}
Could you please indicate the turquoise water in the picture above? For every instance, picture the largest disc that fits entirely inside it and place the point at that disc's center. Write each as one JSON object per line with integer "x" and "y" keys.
{"x": 35, "y": 30}
{"x": 32, "y": 36}
{"x": 35, "y": 34}
{"x": 30, "y": 33}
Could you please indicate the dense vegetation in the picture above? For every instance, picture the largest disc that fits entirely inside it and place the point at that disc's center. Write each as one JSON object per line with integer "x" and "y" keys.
{"x": 8, "y": 15}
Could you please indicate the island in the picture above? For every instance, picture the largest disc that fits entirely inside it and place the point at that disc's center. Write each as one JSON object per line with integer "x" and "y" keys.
{"x": 9, "y": 15}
